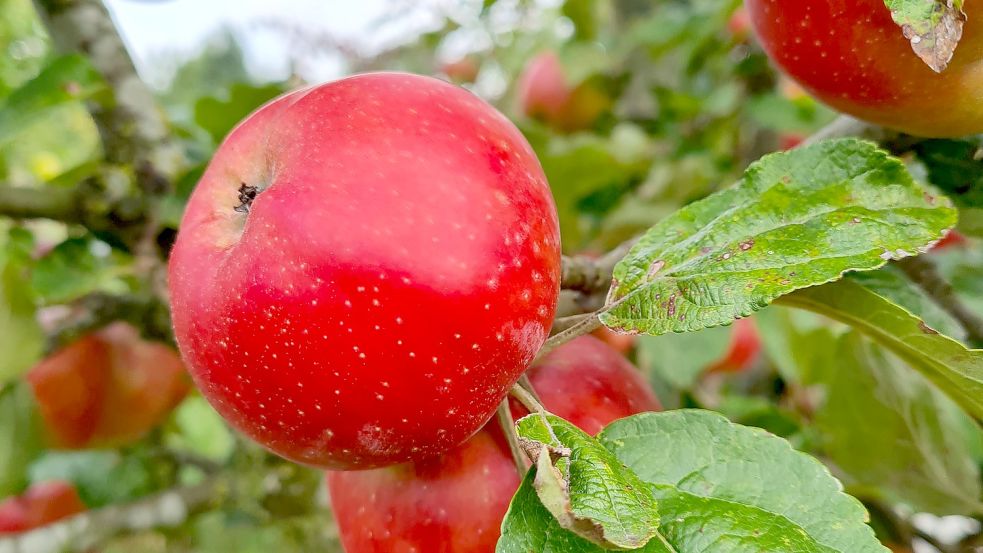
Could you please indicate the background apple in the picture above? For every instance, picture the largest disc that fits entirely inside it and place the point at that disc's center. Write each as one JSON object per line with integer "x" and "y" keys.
{"x": 744, "y": 348}
{"x": 851, "y": 55}
{"x": 41, "y": 504}
{"x": 545, "y": 94}
{"x": 456, "y": 503}
{"x": 461, "y": 70}
{"x": 365, "y": 269}
{"x": 542, "y": 87}
{"x": 108, "y": 388}
{"x": 622, "y": 343}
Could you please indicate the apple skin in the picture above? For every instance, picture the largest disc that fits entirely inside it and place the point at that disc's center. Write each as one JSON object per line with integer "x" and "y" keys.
{"x": 395, "y": 275}
{"x": 745, "y": 346}
{"x": 41, "y": 504}
{"x": 456, "y": 503}
{"x": 851, "y": 55}
{"x": 107, "y": 389}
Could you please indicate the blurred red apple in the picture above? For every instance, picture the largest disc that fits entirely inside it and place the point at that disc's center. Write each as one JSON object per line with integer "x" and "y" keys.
{"x": 745, "y": 346}
{"x": 40, "y": 505}
{"x": 789, "y": 140}
{"x": 545, "y": 94}
{"x": 952, "y": 240}
{"x": 739, "y": 24}
{"x": 462, "y": 70}
{"x": 108, "y": 388}
{"x": 622, "y": 343}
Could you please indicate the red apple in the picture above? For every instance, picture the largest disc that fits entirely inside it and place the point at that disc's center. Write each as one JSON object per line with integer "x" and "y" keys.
{"x": 545, "y": 94}
{"x": 745, "y": 346}
{"x": 40, "y": 505}
{"x": 851, "y": 55}
{"x": 739, "y": 24}
{"x": 789, "y": 140}
{"x": 107, "y": 389}
{"x": 365, "y": 269}
{"x": 622, "y": 343}
{"x": 952, "y": 240}
{"x": 542, "y": 88}
{"x": 456, "y": 503}
{"x": 462, "y": 70}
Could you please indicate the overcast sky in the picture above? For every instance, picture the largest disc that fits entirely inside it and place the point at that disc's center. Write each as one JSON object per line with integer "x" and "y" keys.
{"x": 155, "y": 29}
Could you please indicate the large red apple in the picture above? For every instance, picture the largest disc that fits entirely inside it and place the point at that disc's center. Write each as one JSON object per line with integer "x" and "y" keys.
{"x": 107, "y": 389}
{"x": 41, "y": 504}
{"x": 456, "y": 503}
{"x": 851, "y": 55}
{"x": 365, "y": 269}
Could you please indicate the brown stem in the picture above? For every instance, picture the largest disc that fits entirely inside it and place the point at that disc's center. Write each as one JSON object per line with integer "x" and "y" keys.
{"x": 97, "y": 310}
{"x": 588, "y": 324}
{"x": 527, "y": 400}
{"x": 588, "y": 275}
{"x": 508, "y": 428}
{"x": 59, "y": 204}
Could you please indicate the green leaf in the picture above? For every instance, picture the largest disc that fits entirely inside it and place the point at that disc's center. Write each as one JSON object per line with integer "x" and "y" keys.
{"x": 21, "y": 338}
{"x": 934, "y": 28}
{"x": 797, "y": 219}
{"x": 794, "y": 341}
{"x": 971, "y": 221}
{"x": 891, "y": 283}
{"x": 201, "y": 430}
{"x": 725, "y": 487}
{"x": 66, "y": 79}
{"x": 952, "y": 367}
{"x": 218, "y": 116}
{"x": 102, "y": 477}
{"x": 76, "y": 267}
{"x": 585, "y": 487}
{"x": 956, "y": 167}
{"x": 874, "y": 404}
{"x": 20, "y": 436}
{"x": 681, "y": 358}
{"x": 528, "y": 527}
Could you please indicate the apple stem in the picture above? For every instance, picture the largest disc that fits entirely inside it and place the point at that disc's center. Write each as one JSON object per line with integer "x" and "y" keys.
{"x": 508, "y": 428}
{"x": 527, "y": 400}
{"x": 246, "y": 196}
{"x": 587, "y": 324}
{"x": 526, "y": 385}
